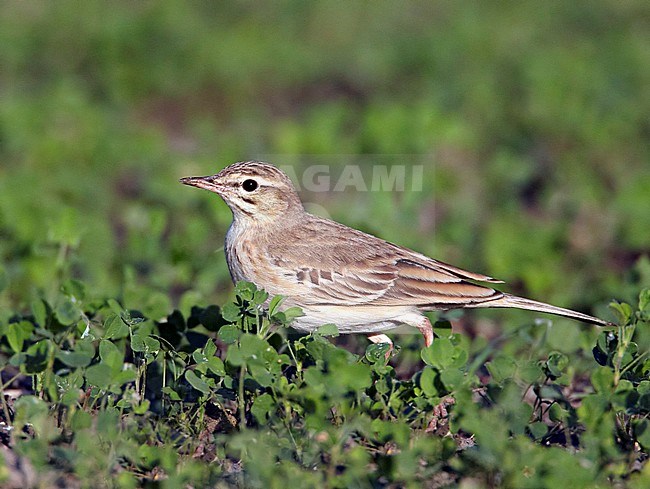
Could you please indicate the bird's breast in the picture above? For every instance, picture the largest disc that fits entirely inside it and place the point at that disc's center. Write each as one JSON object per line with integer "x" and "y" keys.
{"x": 238, "y": 254}
{"x": 245, "y": 256}
{"x": 248, "y": 259}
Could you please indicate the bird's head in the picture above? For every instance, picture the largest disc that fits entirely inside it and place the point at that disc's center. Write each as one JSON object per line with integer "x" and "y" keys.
{"x": 253, "y": 190}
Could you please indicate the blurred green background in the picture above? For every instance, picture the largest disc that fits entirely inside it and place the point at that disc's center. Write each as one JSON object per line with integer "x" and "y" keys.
{"x": 532, "y": 122}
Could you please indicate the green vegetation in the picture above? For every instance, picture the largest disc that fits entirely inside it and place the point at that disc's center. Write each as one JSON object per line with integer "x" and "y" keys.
{"x": 225, "y": 397}
{"x": 118, "y": 369}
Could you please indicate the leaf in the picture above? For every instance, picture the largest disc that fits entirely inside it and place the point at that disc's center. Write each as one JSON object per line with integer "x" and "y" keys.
{"x": 624, "y": 386}
{"x": 210, "y": 349}
{"x": 137, "y": 342}
{"x": 605, "y": 348}
{"x": 263, "y": 406}
{"x": 176, "y": 322}
{"x": 115, "y": 327}
{"x": 440, "y": 354}
{"x": 292, "y": 313}
{"x": 152, "y": 344}
{"x": 644, "y": 387}
{"x": 15, "y": 337}
{"x": 74, "y": 288}
{"x": 37, "y": 356}
{"x": 644, "y": 402}
{"x": 259, "y": 297}
{"x": 116, "y": 307}
{"x": 558, "y": 413}
{"x": 67, "y": 313}
{"x": 260, "y": 373}
{"x": 99, "y": 375}
{"x": 143, "y": 407}
{"x": 144, "y": 343}
{"x": 197, "y": 382}
{"x": 603, "y": 380}
{"x": 313, "y": 377}
{"x": 81, "y": 420}
{"x": 644, "y": 299}
{"x": 353, "y": 377}
{"x": 69, "y": 387}
{"x": 188, "y": 300}
{"x": 642, "y": 433}
{"x": 211, "y": 318}
{"x": 428, "y": 382}
{"x": 245, "y": 290}
{"x": 17, "y": 333}
{"x": 199, "y": 357}
{"x": 321, "y": 349}
{"x": 538, "y": 430}
{"x": 551, "y": 391}
{"x": 607, "y": 341}
{"x": 39, "y": 310}
{"x": 592, "y": 409}
{"x": 229, "y": 334}
{"x": 529, "y": 372}
{"x": 111, "y": 355}
{"x": 328, "y": 330}
{"x": 252, "y": 346}
{"x": 124, "y": 376}
{"x": 216, "y": 366}
{"x": 519, "y": 413}
{"x": 108, "y": 424}
{"x": 622, "y": 310}
{"x": 556, "y": 364}
{"x": 133, "y": 317}
{"x": 65, "y": 228}
{"x": 173, "y": 395}
{"x": 31, "y": 410}
{"x": 376, "y": 352}
{"x": 80, "y": 356}
{"x": 275, "y": 304}
{"x": 452, "y": 378}
{"x": 231, "y": 312}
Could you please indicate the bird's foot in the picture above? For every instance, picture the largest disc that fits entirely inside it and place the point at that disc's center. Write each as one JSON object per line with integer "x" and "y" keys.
{"x": 424, "y": 326}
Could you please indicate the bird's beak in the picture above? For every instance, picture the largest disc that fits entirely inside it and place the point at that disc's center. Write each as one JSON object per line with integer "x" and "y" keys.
{"x": 207, "y": 183}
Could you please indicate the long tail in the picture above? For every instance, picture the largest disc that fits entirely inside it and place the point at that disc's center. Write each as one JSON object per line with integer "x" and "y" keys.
{"x": 516, "y": 302}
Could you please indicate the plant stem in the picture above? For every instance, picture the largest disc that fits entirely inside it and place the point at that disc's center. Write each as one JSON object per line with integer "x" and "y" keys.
{"x": 242, "y": 401}
{"x": 5, "y": 410}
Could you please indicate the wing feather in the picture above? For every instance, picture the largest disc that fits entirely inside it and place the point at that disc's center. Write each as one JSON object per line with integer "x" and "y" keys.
{"x": 352, "y": 268}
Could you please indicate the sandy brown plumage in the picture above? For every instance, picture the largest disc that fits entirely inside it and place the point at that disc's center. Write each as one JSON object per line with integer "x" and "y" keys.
{"x": 338, "y": 274}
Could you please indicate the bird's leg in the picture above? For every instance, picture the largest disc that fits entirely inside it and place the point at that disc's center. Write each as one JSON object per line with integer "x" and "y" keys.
{"x": 382, "y": 338}
{"x": 424, "y": 325}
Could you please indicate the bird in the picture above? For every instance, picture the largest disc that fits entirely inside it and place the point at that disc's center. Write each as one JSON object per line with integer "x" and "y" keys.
{"x": 338, "y": 274}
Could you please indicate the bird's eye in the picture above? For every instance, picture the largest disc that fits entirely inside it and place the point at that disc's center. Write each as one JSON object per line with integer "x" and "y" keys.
{"x": 249, "y": 185}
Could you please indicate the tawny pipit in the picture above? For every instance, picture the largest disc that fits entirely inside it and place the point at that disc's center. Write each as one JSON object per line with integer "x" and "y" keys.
{"x": 337, "y": 274}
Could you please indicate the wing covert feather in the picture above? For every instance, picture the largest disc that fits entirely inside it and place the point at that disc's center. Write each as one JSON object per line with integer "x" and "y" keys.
{"x": 349, "y": 267}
